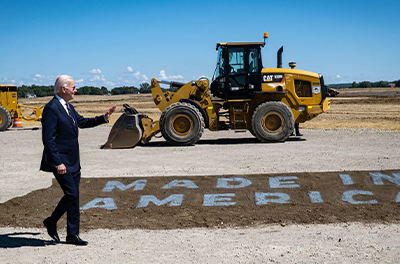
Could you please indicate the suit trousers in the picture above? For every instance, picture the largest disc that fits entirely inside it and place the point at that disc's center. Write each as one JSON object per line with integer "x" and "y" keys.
{"x": 69, "y": 203}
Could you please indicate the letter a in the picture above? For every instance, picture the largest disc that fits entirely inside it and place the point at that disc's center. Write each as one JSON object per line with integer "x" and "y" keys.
{"x": 106, "y": 203}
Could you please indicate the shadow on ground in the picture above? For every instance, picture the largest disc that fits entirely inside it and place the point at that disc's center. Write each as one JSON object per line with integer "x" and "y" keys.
{"x": 223, "y": 141}
{"x": 16, "y": 240}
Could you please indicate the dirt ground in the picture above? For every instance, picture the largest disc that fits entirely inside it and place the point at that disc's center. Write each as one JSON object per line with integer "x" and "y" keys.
{"x": 229, "y": 207}
{"x": 331, "y": 196}
{"x": 372, "y": 108}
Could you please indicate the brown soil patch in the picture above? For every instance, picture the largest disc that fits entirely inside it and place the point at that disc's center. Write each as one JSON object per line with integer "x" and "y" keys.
{"x": 230, "y": 207}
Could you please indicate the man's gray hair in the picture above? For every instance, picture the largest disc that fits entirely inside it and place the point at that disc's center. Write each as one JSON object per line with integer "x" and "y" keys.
{"x": 61, "y": 81}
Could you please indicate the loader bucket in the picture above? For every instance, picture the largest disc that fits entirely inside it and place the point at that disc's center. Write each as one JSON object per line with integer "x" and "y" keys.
{"x": 126, "y": 132}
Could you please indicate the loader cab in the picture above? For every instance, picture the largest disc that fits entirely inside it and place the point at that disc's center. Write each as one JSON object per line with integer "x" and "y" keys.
{"x": 238, "y": 71}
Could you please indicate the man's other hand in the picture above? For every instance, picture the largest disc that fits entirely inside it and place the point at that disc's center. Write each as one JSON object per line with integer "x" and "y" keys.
{"x": 61, "y": 169}
{"x": 110, "y": 111}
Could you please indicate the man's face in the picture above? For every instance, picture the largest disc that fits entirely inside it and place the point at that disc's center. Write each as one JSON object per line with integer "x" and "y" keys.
{"x": 69, "y": 91}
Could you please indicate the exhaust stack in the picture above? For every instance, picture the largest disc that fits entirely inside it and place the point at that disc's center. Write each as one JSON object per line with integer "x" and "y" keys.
{"x": 280, "y": 57}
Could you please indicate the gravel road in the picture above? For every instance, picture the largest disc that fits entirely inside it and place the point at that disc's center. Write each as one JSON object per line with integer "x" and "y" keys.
{"x": 217, "y": 153}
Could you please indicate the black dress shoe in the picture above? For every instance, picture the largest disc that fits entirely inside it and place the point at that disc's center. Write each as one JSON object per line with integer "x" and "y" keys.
{"x": 51, "y": 229}
{"x": 76, "y": 240}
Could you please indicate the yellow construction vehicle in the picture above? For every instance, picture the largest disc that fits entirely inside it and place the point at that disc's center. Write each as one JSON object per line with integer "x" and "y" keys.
{"x": 243, "y": 96}
{"x": 10, "y": 109}
{"x": 331, "y": 92}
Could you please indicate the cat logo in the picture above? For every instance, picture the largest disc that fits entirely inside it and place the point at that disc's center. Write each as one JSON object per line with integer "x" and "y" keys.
{"x": 268, "y": 78}
{"x": 273, "y": 77}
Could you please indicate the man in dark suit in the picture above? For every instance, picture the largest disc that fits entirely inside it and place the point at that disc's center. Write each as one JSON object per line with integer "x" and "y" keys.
{"x": 60, "y": 123}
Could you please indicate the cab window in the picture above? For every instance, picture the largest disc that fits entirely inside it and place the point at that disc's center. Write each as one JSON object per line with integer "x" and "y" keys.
{"x": 253, "y": 60}
{"x": 236, "y": 63}
{"x": 303, "y": 88}
{"x": 219, "y": 71}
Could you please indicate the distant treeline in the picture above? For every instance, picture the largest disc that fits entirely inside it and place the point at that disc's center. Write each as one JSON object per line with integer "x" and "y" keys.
{"x": 43, "y": 90}
{"x": 366, "y": 84}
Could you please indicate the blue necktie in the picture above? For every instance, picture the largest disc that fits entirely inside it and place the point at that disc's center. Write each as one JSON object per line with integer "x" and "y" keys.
{"x": 69, "y": 113}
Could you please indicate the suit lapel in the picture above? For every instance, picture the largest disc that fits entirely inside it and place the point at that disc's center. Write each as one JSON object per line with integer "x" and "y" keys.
{"x": 65, "y": 114}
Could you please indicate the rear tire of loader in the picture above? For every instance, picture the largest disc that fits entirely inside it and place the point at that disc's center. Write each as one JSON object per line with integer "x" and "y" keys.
{"x": 5, "y": 119}
{"x": 181, "y": 124}
{"x": 272, "y": 122}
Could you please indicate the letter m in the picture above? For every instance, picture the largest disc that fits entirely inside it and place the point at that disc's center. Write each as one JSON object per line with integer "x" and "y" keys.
{"x": 138, "y": 185}
{"x": 377, "y": 178}
{"x": 173, "y": 200}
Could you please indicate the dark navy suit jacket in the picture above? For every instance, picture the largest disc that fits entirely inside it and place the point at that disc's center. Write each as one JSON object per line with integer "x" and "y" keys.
{"x": 60, "y": 136}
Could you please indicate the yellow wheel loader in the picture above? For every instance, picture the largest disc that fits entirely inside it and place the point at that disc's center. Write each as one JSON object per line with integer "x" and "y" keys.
{"x": 331, "y": 92}
{"x": 242, "y": 96}
{"x": 10, "y": 109}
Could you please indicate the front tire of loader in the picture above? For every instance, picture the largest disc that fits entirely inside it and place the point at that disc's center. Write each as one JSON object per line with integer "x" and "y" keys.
{"x": 181, "y": 124}
{"x": 5, "y": 119}
{"x": 272, "y": 122}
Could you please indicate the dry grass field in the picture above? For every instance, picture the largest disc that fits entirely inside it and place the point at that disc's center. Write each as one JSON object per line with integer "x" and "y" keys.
{"x": 373, "y": 108}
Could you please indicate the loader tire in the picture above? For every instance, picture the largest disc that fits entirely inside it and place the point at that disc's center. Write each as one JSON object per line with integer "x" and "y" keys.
{"x": 181, "y": 124}
{"x": 272, "y": 122}
{"x": 5, "y": 119}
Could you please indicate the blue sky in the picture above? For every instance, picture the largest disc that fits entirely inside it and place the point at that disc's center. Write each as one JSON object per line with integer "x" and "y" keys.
{"x": 116, "y": 43}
